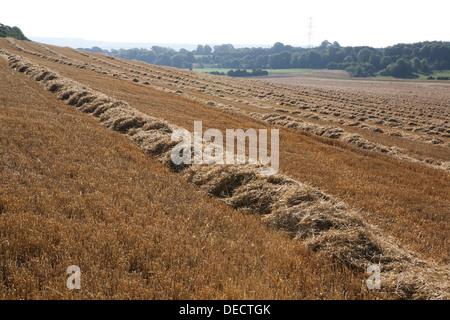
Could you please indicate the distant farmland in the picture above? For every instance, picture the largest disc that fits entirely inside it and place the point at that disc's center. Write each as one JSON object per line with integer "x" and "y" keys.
{"x": 86, "y": 180}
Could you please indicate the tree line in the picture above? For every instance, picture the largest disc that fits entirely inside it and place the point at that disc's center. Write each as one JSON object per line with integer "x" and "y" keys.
{"x": 400, "y": 60}
{"x": 12, "y": 32}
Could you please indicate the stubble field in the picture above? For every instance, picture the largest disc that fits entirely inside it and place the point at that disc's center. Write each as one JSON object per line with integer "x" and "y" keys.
{"x": 85, "y": 180}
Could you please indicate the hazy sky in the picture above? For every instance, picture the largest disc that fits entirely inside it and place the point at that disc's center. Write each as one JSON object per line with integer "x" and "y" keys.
{"x": 375, "y": 23}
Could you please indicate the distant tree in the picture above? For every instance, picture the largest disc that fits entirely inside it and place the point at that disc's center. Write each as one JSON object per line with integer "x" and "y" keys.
{"x": 163, "y": 59}
{"x": 224, "y": 48}
{"x": 295, "y": 60}
{"x": 314, "y": 59}
{"x": 425, "y": 67}
{"x": 334, "y": 54}
{"x": 248, "y": 62}
{"x": 332, "y": 66}
{"x": 309, "y": 59}
{"x": 96, "y": 50}
{"x": 375, "y": 60}
{"x": 385, "y": 61}
{"x": 177, "y": 60}
{"x": 349, "y": 59}
{"x": 407, "y": 53}
{"x": 147, "y": 56}
{"x": 261, "y": 62}
{"x": 277, "y": 47}
{"x": 207, "y": 50}
{"x": 187, "y": 65}
{"x": 394, "y": 51}
{"x": 361, "y": 70}
{"x": 217, "y": 73}
{"x": 131, "y": 54}
{"x": 235, "y": 63}
{"x": 199, "y": 50}
{"x": 325, "y": 44}
{"x": 13, "y": 32}
{"x": 400, "y": 69}
{"x": 280, "y": 60}
{"x": 245, "y": 73}
{"x": 364, "y": 55}
{"x": 158, "y": 50}
{"x": 416, "y": 64}
{"x": 361, "y": 61}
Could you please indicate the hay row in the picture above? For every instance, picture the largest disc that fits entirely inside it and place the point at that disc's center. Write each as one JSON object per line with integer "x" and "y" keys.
{"x": 342, "y": 135}
{"x": 158, "y": 76}
{"x": 301, "y": 98}
{"x": 294, "y": 98}
{"x": 323, "y": 224}
{"x": 327, "y": 132}
{"x": 114, "y": 114}
{"x": 177, "y": 81}
{"x": 92, "y": 67}
{"x": 362, "y": 125}
{"x": 261, "y": 94}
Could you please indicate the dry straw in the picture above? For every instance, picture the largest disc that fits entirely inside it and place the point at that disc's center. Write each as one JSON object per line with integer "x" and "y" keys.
{"x": 341, "y": 135}
{"x": 322, "y": 223}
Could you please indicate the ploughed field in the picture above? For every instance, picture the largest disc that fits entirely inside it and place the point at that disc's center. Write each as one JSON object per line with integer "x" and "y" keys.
{"x": 86, "y": 180}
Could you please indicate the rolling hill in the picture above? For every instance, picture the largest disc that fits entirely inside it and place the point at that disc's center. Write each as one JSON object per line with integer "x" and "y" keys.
{"x": 86, "y": 179}
{"x": 12, "y": 32}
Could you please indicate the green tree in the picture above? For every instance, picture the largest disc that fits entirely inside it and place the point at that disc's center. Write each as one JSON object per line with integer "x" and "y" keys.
{"x": 416, "y": 64}
{"x": 364, "y": 55}
{"x": 349, "y": 59}
{"x": 375, "y": 60}
{"x": 334, "y": 54}
{"x": 385, "y": 61}
{"x": 248, "y": 62}
{"x": 401, "y": 69}
{"x": 163, "y": 59}
{"x": 178, "y": 60}
{"x": 280, "y": 60}
{"x": 199, "y": 50}
{"x": 277, "y": 47}
{"x": 314, "y": 59}
{"x": 261, "y": 62}
{"x": 235, "y": 63}
{"x": 425, "y": 67}
{"x": 96, "y": 50}
{"x": 207, "y": 50}
{"x": 325, "y": 44}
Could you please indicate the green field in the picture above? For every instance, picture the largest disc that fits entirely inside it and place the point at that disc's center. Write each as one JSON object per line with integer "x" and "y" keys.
{"x": 271, "y": 71}
{"x": 436, "y": 73}
{"x": 294, "y": 72}
{"x": 441, "y": 73}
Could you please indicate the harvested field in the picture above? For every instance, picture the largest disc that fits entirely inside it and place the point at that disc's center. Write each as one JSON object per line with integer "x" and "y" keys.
{"x": 356, "y": 186}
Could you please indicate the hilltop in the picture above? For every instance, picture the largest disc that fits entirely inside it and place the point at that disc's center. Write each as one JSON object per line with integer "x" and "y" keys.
{"x": 12, "y": 32}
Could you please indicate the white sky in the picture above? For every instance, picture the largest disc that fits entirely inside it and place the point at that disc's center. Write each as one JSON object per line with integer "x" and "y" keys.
{"x": 375, "y": 23}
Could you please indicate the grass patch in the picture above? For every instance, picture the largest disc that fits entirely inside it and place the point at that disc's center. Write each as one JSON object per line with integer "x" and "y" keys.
{"x": 435, "y": 74}
{"x": 271, "y": 71}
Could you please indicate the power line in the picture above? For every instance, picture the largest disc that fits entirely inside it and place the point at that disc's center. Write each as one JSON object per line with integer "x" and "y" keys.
{"x": 310, "y": 32}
